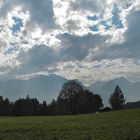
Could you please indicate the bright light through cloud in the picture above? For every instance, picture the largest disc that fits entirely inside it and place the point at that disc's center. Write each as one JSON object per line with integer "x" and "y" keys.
{"x": 109, "y": 2}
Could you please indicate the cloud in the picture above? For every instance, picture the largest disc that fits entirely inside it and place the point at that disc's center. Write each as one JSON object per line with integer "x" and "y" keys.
{"x": 78, "y": 47}
{"x": 73, "y": 48}
{"x": 41, "y": 57}
{"x": 37, "y": 58}
{"x": 41, "y": 13}
{"x": 89, "y": 5}
{"x": 129, "y": 48}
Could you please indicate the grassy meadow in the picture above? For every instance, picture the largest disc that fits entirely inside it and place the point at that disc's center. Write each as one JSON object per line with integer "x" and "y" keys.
{"x": 116, "y": 125}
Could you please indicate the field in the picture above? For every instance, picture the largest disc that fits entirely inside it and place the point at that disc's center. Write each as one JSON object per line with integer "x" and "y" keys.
{"x": 117, "y": 125}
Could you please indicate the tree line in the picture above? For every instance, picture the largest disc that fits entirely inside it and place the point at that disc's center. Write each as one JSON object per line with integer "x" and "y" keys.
{"x": 72, "y": 99}
{"x": 22, "y": 107}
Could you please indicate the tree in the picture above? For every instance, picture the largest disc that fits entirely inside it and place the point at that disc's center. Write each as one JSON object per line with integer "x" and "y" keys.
{"x": 36, "y": 106}
{"x": 68, "y": 97}
{"x": 28, "y": 106}
{"x": 93, "y": 102}
{"x": 117, "y": 99}
{"x": 7, "y": 108}
{"x": 1, "y": 105}
{"x": 74, "y": 99}
{"x": 18, "y": 108}
{"x": 52, "y": 108}
{"x": 44, "y": 108}
{"x": 23, "y": 107}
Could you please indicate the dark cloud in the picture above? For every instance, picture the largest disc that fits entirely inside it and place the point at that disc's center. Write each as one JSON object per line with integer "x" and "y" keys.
{"x": 133, "y": 32}
{"x": 72, "y": 25}
{"x": 89, "y": 5}
{"x": 77, "y": 47}
{"x": 37, "y": 58}
{"x": 41, "y": 12}
{"x": 130, "y": 48}
{"x": 74, "y": 48}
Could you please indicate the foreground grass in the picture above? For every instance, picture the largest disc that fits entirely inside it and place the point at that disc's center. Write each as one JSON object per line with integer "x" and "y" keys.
{"x": 117, "y": 125}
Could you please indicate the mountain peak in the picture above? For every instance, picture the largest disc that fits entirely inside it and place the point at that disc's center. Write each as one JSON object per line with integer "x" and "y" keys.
{"x": 121, "y": 79}
{"x": 130, "y": 89}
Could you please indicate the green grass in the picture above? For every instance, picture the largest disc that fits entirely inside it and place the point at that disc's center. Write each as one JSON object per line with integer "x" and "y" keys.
{"x": 117, "y": 125}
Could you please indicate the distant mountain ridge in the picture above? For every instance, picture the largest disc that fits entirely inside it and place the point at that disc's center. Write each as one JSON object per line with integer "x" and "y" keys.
{"x": 42, "y": 87}
{"x": 105, "y": 89}
{"x": 48, "y": 87}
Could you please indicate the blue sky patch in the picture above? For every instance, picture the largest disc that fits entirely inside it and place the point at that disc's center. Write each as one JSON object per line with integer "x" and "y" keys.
{"x": 18, "y": 23}
{"x": 92, "y": 17}
{"x": 94, "y": 28}
{"x": 116, "y": 21}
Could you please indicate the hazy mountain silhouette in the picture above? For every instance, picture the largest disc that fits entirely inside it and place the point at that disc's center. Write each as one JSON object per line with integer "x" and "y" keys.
{"x": 105, "y": 89}
{"x": 48, "y": 87}
{"x": 41, "y": 87}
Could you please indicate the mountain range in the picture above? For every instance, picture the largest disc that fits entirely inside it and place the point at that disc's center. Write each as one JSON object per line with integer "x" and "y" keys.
{"x": 48, "y": 87}
{"x": 131, "y": 90}
{"x": 42, "y": 87}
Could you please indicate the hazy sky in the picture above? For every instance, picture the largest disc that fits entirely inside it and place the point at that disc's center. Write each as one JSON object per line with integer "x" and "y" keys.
{"x": 87, "y": 40}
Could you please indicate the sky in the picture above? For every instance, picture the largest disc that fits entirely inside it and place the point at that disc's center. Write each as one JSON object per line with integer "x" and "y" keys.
{"x": 89, "y": 40}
